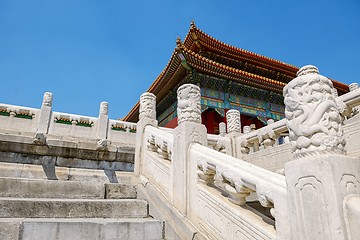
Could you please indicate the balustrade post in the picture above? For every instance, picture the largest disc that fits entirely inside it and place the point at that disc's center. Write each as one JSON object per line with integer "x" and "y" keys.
{"x": 222, "y": 129}
{"x": 233, "y": 128}
{"x": 321, "y": 175}
{"x": 102, "y": 126}
{"x": 269, "y": 137}
{"x": 189, "y": 130}
{"x": 147, "y": 116}
{"x": 45, "y": 113}
{"x": 353, "y": 87}
{"x": 44, "y": 119}
{"x": 245, "y": 146}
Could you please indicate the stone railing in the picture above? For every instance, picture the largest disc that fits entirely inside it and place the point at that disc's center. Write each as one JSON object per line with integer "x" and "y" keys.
{"x": 26, "y": 121}
{"x": 225, "y": 197}
{"x": 219, "y": 143}
{"x": 159, "y": 141}
{"x": 72, "y": 125}
{"x": 18, "y": 119}
{"x": 269, "y": 146}
{"x": 55, "y": 139}
{"x": 169, "y": 161}
{"x": 243, "y": 184}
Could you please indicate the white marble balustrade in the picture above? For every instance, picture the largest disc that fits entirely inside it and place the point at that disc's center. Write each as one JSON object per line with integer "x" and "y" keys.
{"x": 44, "y": 123}
{"x": 261, "y": 147}
{"x": 18, "y": 118}
{"x": 243, "y": 182}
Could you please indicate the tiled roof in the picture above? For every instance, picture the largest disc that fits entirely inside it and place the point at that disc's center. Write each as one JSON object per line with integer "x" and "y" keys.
{"x": 191, "y": 50}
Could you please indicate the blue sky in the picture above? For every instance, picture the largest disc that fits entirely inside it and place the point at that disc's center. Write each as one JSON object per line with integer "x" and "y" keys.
{"x": 85, "y": 52}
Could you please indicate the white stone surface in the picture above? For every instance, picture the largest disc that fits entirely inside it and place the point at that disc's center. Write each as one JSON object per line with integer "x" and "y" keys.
{"x": 35, "y": 188}
{"x": 94, "y": 229}
{"x": 317, "y": 186}
{"x": 72, "y": 208}
{"x": 352, "y": 215}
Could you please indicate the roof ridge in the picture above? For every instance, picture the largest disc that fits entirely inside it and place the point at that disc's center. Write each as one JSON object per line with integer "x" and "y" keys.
{"x": 184, "y": 48}
{"x": 196, "y": 29}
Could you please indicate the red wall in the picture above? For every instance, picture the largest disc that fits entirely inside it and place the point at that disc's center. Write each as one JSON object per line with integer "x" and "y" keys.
{"x": 172, "y": 123}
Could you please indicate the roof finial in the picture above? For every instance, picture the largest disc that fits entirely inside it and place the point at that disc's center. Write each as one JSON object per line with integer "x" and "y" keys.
{"x": 178, "y": 41}
{"x": 192, "y": 24}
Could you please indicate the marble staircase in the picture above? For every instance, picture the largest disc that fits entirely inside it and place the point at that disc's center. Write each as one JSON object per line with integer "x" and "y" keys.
{"x": 89, "y": 207}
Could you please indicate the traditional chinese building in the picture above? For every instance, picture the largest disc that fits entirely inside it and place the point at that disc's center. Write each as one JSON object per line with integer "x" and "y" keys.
{"x": 229, "y": 78}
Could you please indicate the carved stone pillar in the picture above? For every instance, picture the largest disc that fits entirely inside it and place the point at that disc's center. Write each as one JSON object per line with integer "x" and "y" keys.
{"x": 47, "y": 100}
{"x": 233, "y": 121}
{"x": 147, "y": 116}
{"x": 104, "y": 108}
{"x": 190, "y": 130}
{"x": 354, "y": 110}
{"x": 45, "y": 113}
{"x": 246, "y": 147}
{"x": 102, "y": 128}
{"x": 321, "y": 175}
{"x": 318, "y": 129}
{"x": 147, "y": 106}
{"x": 189, "y": 105}
{"x": 268, "y": 137}
{"x": 222, "y": 129}
{"x": 234, "y": 130}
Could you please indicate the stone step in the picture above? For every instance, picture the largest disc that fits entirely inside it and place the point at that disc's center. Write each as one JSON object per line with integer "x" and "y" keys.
{"x": 36, "y": 188}
{"x": 72, "y": 208}
{"x": 81, "y": 229}
{"x": 31, "y": 171}
{"x": 120, "y": 191}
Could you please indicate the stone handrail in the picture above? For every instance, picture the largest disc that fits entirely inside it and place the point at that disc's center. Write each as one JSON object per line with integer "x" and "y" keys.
{"x": 239, "y": 176}
{"x": 243, "y": 182}
{"x": 351, "y": 99}
{"x": 266, "y": 136}
{"x": 217, "y": 142}
{"x": 159, "y": 141}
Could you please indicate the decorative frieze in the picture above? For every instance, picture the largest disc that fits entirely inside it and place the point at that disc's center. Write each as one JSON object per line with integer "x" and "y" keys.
{"x": 312, "y": 114}
{"x": 189, "y": 107}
